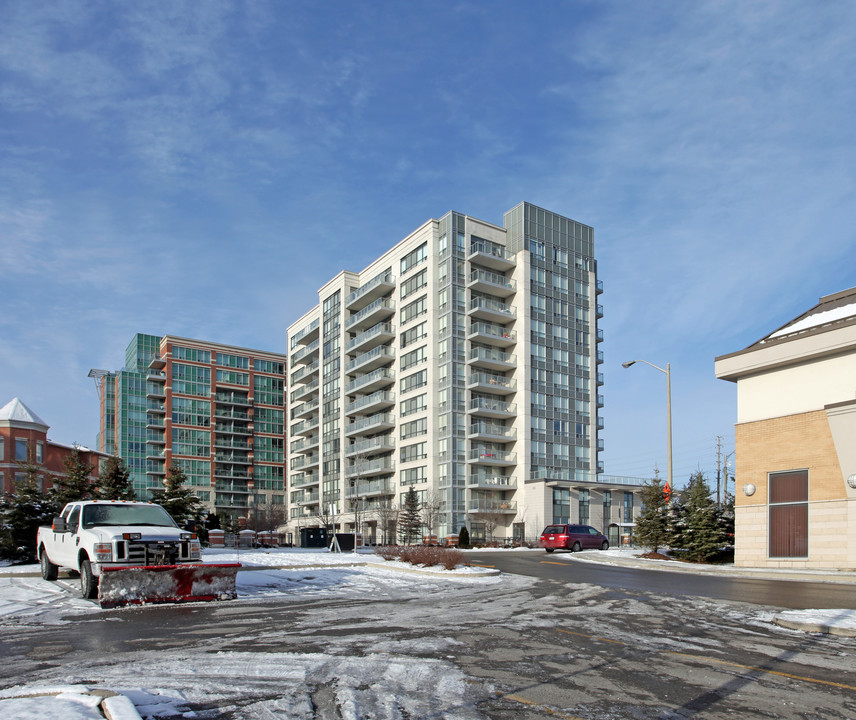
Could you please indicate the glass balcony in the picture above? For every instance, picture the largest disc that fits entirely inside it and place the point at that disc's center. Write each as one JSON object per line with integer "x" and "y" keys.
{"x": 305, "y": 374}
{"x": 370, "y": 403}
{"x": 304, "y": 444}
{"x": 492, "y": 456}
{"x": 498, "y": 384}
{"x": 370, "y": 424}
{"x": 372, "y": 446}
{"x": 377, "y": 335}
{"x": 491, "y": 255}
{"x": 491, "y": 431}
{"x": 309, "y": 333}
{"x": 305, "y": 354}
{"x": 382, "y": 377}
{"x": 304, "y": 410}
{"x": 478, "y": 505}
{"x": 303, "y": 461}
{"x": 487, "y": 309}
{"x": 491, "y": 334}
{"x": 371, "y": 314}
{"x": 381, "y": 466}
{"x": 305, "y": 427}
{"x": 492, "y": 358}
{"x": 378, "y": 286}
{"x": 302, "y": 391}
{"x": 492, "y": 407}
{"x": 370, "y": 488}
{"x": 491, "y": 283}
{"x": 381, "y": 355}
{"x": 304, "y": 480}
{"x": 492, "y": 482}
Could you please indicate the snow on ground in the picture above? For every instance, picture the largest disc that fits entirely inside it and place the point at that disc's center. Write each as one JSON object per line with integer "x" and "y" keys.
{"x": 26, "y": 599}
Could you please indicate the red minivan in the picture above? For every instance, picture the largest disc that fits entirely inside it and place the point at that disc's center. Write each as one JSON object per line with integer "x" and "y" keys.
{"x": 573, "y": 538}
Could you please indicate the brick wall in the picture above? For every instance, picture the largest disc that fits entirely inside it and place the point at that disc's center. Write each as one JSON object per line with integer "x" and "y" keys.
{"x": 791, "y": 443}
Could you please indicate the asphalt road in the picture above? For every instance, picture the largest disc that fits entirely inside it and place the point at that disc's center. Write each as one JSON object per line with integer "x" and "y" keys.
{"x": 790, "y": 594}
{"x": 637, "y": 644}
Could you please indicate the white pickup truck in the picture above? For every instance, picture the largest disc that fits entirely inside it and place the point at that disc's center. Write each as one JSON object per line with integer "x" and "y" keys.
{"x": 130, "y": 552}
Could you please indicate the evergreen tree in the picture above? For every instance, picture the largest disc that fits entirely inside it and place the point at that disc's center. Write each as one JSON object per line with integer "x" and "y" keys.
{"x": 75, "y": 485}
{"x": 410, "y": 523}
{"x": 178, "y": 500}
{"x": 653, "y": 526}
{"x": 114, "y": 481}
{"x": 22, "y": 514}
{"x": 464, "y": 537}
{"x": 699, "y": 528}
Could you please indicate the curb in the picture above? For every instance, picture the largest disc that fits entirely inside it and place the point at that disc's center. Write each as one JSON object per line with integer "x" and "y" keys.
{"x": 815, "y": 627}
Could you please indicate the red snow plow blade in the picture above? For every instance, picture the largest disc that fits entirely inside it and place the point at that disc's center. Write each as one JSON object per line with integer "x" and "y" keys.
{"x": 166, "y": 584}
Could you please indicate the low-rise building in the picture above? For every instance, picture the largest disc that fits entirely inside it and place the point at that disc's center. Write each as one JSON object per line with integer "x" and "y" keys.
{"x": 795, "y": 440}
{"x": 24, "y": 440}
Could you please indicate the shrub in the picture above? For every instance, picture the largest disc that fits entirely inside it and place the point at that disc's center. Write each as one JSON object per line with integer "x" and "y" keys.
{"x": 426, "y": 555}
{"x": 464, "y": 537}
{"x": 389, "y": 552}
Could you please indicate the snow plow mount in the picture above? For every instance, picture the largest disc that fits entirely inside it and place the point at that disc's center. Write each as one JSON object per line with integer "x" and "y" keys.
{"x": 145, "y": 584}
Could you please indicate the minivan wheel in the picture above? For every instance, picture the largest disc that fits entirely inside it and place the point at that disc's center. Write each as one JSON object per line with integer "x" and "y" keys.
{"x": 605, "y": 545}
{"x": 549, "y": 549}
{"x": 576, "y": 548}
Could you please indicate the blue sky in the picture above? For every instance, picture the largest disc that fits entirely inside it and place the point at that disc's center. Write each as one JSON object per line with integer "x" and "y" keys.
{"x": 202, "y": 168}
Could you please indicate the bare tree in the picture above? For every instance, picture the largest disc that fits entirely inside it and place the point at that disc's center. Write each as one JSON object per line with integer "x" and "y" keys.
{"x": 357, "y": 503}
{"x": 326, "y": 516}
{"x": 265, "y": 516}
{"x": 431, "y": 511}
{"x": 492, "y": 519}
{"x": 387, "y": 517}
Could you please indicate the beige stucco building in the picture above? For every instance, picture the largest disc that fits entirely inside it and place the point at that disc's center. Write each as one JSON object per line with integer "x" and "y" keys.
{"x": 795, "y": 441}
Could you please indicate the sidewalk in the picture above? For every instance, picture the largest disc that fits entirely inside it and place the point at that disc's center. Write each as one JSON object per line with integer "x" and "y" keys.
{"x": 627, "y": 557}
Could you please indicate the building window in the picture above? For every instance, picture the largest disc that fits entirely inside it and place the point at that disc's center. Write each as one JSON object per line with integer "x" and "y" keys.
{"x": 628, "y": 507}
{"x": 40, "y": 452}
{"x": 561, "y": 505}
{"x": 607, "y": 508}
{"x": 412, "y": 259}
{"x": 21, "y": 449}
{"x": 584, "y": 507}
{"x": 789, "y": 514}
{"x": 414, "y": 381}
{"x": 2, "y": 449}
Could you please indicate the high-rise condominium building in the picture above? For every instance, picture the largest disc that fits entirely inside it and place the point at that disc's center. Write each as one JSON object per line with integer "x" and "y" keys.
{"x": 215, "y": 410}
{"x": 464, "y": 363}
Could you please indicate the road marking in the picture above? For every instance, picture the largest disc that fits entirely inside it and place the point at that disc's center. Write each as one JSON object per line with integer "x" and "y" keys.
{"x": 550, "y": 562}
{"x": 702, "y": 659}
{"x": 539, "y": 706}
{"x": 791, "y": 676}
{"x": 480, "y": 565}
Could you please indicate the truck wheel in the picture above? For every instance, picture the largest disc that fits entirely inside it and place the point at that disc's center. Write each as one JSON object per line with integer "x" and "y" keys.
{"x": 49, "y": 570}
{"x": 88, "y": 582}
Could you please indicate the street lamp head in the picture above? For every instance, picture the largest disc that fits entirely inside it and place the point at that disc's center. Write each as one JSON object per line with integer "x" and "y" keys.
{"x": 628, "y": 363}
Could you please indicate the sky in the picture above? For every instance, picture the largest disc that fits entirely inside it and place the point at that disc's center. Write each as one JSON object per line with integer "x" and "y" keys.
{"x": 202, "y": 168}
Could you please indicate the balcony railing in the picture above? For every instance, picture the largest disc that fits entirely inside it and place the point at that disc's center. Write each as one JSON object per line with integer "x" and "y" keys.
{"x": 370, "y": 467}
{"x": 380, "y": 307}
{"x": 382, "y": 443}
{"x": 492, "y": 482}
{"x": 492, "y": 456}
{"x": 380, "y": 355}
{"x": 477, "y": 505}
{"x": 382, "y": 397}
{"x": 377, "y": 421}
{"x": 378, "y": 285}
{"x": 378, "y": 333}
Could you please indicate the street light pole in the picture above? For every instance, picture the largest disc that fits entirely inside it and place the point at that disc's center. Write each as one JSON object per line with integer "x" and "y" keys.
{"x": 668, "y": 373}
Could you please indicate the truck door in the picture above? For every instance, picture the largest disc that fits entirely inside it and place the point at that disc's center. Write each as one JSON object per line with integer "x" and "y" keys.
{"x": 67, "y": 541}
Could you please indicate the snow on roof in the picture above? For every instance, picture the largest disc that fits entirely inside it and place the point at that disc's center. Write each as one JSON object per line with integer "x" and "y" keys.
{"x": 816, "y": 320}
{"x": 16, "y": 411}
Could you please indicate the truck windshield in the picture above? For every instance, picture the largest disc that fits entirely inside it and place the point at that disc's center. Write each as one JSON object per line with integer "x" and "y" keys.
{"x": 126, "y": 515}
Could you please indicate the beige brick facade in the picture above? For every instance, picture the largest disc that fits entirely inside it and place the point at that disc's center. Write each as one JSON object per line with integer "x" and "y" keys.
{"x": 796, "y": 442}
